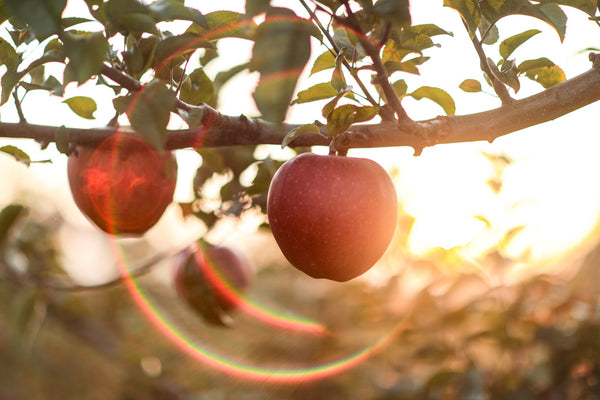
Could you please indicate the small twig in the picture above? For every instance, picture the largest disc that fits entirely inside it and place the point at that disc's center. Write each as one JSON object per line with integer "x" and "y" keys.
{"x": 182, "y": 76}
{"x": 133, "y": 85}
{"x": 381, "y": 75}
{"x": 140, "y": 271}
{"x": 498, "y": 86}
{"x": 20, "y": 113}
{"x": 385, "y": 34}
{"x": 336, "y": 51}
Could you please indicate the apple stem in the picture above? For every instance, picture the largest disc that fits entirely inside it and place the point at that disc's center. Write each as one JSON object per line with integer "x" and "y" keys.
{"x": 335, "y": 151}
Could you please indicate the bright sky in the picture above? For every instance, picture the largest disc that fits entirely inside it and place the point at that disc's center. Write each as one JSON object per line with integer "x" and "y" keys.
{"x": 549, "y": 188}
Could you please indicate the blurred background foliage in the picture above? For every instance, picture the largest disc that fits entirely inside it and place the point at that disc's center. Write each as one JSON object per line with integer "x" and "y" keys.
{"x": 455, "y": 329}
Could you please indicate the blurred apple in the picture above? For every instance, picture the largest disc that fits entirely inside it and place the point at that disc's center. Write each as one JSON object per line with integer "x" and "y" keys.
{"x": 332, "y": 216}
{"x": 123, "y": 185}
{"x": 211, "y": 279}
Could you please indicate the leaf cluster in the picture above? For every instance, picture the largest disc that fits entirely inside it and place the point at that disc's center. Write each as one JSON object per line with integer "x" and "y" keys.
{"x": 481, "y": 19}
{"x": 158, "y": 73}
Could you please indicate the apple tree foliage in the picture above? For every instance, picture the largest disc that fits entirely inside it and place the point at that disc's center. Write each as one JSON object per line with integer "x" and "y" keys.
{"x": 366, "y": 49}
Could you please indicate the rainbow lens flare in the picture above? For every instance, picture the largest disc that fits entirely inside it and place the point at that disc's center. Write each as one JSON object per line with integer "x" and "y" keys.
{"x": 259, "y": 313}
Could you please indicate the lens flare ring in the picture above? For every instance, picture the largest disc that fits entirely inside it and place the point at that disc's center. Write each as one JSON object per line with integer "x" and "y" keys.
{"x": 273, "y": 374}
{"x": 266, "y": 315}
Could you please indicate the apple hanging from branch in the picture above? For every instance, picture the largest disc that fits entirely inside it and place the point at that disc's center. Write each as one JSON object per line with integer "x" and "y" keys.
{"x": 124, "y": 185}
{"x": 332, "y": 216}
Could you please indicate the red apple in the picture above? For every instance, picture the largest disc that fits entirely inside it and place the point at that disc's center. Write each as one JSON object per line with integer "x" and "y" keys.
{"x": 332, "y": 216}
{"x": 123, "y": 185}
{"x": 211, "y": 279}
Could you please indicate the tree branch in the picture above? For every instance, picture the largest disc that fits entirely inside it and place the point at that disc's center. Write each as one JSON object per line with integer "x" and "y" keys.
{"x": 222, "y": 130}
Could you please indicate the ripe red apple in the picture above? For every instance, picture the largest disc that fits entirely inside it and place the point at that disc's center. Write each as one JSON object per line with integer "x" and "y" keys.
{"x": 211, "y": 279}
{"x": 123, "y": 185}
{"x": 332, "y": 216}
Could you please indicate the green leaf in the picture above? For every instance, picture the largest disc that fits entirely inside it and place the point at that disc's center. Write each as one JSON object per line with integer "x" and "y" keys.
{"x": 491, "y": 31}
{"x": 138, "y": 23}
{"x": 280, "y": 53}
{"x": 4, "y": 15}
{"x": 550, "y": 13}
{"x": 470, "y": 85}
{"x": 37, "y": 75}
{"x": 345, "y": 39}
{"x": 543, "y": 71}
{"x": 255, "y": 7}
{"x": 510, "y": 44}
{"x": 534, "y": 64}
{"x": 400, "y": 87}
{"x": 169, "y": 10}
{"x": 121, "y": 103}
{"x": 8, "y": 55}
{"x": 414, "y": 39}
{"x": 409, "y": 66}
{"x": 223, "y": 24}
{"x": 17, "y": 153}
{"x": 114, "y": 15}
{"x": 8, "y": 216}
{"x": 86, "y": 52}
{"x": 82, "y": 106}
{"x": 44, "y": 16}
{"x": 72, "y": 21}
{"x": 62, "y": 140}
{"x": 587, "y": 6}
{"x": 170, "y": 51}
{"x": 197, "y": 88}
{"x": 331, "y": 4}
{"x": 555, "y": 16}
{"x": 393, "y": 52}
{"x": 8, "y": 82}
{"x": 323, "y": 62}
{"x": 319, "y": 91}
{"x": 469, "y": 10}
{"x": 294, "y": 133}
{"x": 266, "y": 170}
{"x": 427, "y": 29}
{"x": 328, "y": 108}
{"x": 509, "y": 74}
{"x": 394, "y": 11}
{"x": 337, "y": 78}
{"x": 149, "y": 112}
{"x": 342, "y": 117}
{"x": 440, "y": 96}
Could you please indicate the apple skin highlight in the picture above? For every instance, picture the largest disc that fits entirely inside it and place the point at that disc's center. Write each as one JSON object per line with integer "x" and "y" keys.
{"x": 333, "y": 217}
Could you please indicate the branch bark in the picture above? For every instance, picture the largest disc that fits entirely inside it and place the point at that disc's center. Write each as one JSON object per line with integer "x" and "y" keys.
{"x": 222, "y": 130}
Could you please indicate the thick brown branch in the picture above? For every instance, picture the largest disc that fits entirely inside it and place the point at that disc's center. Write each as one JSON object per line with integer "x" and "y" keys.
{"x": 222, "y": 130}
